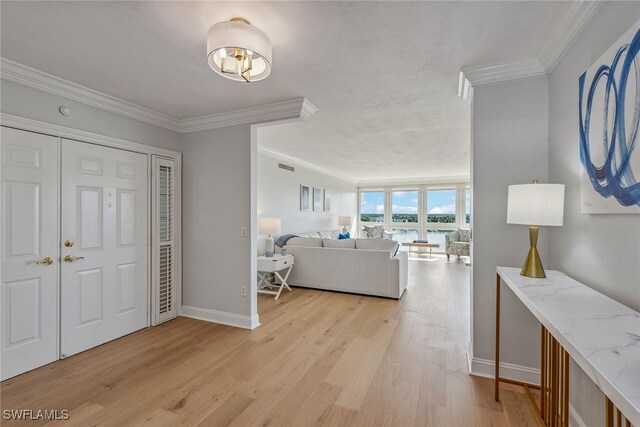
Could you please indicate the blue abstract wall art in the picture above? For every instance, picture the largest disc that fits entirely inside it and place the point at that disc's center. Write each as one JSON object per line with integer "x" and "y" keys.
{"x": 609, "y": 114}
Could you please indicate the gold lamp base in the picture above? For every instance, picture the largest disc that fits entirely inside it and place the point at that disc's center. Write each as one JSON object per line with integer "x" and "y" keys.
{"x": 532, "y": 265}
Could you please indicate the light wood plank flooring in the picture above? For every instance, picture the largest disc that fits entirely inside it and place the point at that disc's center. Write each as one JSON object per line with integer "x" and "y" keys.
{"x": 319, "y": 358}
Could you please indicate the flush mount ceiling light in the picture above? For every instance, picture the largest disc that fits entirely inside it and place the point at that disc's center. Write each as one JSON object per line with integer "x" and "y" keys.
{"x": 239, "y": 51}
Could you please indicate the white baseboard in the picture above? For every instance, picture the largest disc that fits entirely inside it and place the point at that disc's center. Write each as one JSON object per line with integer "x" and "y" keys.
{"x": 222, "y": 317}
{"x": 574, "y": 418}
{"x": 485, "y": 368}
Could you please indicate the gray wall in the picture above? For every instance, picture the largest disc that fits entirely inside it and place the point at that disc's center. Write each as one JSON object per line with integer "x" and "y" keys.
{"x": 219, "y": 198}
{"x": 37, "y": 105}
{"x": 279, "y": 197}
{"x": 601, "y": 251}
{"x": 509, "y": 147}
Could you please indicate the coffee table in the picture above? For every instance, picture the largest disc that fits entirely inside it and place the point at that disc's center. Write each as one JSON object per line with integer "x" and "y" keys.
{"x": 423, "y": 245}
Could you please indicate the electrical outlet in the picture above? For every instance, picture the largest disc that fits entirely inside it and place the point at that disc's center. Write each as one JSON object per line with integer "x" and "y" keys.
{"x": 243, "y": 231}
{"x": 243, "y": 291}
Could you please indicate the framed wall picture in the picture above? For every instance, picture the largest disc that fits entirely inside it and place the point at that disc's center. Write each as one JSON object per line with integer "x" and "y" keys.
{"x": 304, "y": 197}
{"x": 318, "y": 199}
{"x": 609, "y": 102}
{"x": 327, "y": 201}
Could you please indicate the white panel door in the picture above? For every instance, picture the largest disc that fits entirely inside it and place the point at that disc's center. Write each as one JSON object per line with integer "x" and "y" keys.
{"x": 29, "y": 276}
{"x": 104, "y": 284}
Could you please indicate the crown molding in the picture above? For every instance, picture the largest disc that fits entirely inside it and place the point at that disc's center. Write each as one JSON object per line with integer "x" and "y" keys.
{"x": 35, "y": 79}
{"x": 304, "y": 164}
{"x": 503, "y": 71}
{"x": 565, "y": 32}
{"x": 432, "y": 180}
{"x": 277, "y": 113}
{"x": 295, "y": 109}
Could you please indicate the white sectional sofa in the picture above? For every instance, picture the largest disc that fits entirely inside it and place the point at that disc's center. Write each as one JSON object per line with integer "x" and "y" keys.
{"x": 361, "y": 266}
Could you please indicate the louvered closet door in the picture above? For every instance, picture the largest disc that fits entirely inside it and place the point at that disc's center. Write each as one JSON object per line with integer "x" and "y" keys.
{"x": 165, "y": 255}
{"x": 104, "y": 285}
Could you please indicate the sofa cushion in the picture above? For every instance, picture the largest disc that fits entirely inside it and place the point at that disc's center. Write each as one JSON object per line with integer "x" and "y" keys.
{"x": 378, "y": 245}
{"x": 339, "y": 243}
{"x": 325, "y": 234}
{"x": 347, "y": 235}
{"x": 305, "y": 241}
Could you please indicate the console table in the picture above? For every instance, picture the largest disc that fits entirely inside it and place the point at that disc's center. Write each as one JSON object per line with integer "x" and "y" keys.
{"x": 601, "y": 335}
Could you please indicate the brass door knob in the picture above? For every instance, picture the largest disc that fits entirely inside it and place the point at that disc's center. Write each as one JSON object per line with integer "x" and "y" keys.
{"x": 71, "y": 258}
{"x": 48, "y": 261}
{"x": 69, "y": 243}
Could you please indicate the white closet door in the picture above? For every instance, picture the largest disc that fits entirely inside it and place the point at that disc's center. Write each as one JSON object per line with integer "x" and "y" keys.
{"x": 29, "y": 297}
{"x": 165, "y": 260}
{"x": 104, "y": 286}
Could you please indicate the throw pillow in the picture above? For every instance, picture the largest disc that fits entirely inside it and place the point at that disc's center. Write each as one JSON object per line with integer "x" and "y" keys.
{"x": 375, "y": 232}
{"x": 344, "y": 236}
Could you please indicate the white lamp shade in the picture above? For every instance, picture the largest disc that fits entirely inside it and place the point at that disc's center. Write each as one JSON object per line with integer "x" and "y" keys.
{"x": 269, "y": 226}
{"x": 345, "y": 221}
{"x": 235, "y": 34}
{"x": 536, "y": 204}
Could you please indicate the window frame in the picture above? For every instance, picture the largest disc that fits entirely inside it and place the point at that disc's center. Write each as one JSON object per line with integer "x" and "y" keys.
{"x": 384, "y": 215}
{"x": 422, "y": 225}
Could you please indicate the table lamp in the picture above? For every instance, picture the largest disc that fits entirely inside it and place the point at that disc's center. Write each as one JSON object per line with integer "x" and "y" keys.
{"x": 344, "y": 221}
{"x": 535, "y": 205}
{"x": 269, "y": 226}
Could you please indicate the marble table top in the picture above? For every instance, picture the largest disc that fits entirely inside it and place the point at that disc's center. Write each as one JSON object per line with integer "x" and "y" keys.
{"x": 600, "y": 334}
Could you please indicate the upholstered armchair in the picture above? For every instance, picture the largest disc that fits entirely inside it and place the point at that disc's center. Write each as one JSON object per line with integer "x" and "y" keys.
{"x": 457, "y": 243}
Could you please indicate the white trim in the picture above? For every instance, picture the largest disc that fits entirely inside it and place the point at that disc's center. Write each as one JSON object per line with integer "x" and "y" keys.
{"x": 308, "y": 109}
{"x": 222, "y": 317}
{"x": 434, "y": 180}
{"x": 502, "y": 71}
{"x": 469, "y": 356}
{"x": 295, "y": 109}
{"x": 485, "y": 368}
{"x": 565, "y": 32}
{"x": 303, "y": 164}
{"x": 279, "y": 112}
{"x": 30, "y": 77}
{"x": 82, "y": 136}
{"x": 575, "y": 420}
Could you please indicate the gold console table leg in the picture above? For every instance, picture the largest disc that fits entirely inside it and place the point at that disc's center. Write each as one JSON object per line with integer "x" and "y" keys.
{"x": 612, "y": 415}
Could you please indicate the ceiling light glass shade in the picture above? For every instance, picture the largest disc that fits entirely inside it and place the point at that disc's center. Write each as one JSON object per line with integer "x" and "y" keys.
{"x": 239, "y": 51}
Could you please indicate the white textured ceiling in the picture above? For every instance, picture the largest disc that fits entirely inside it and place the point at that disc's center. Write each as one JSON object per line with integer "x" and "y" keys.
{"x": 383, "y": 74}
